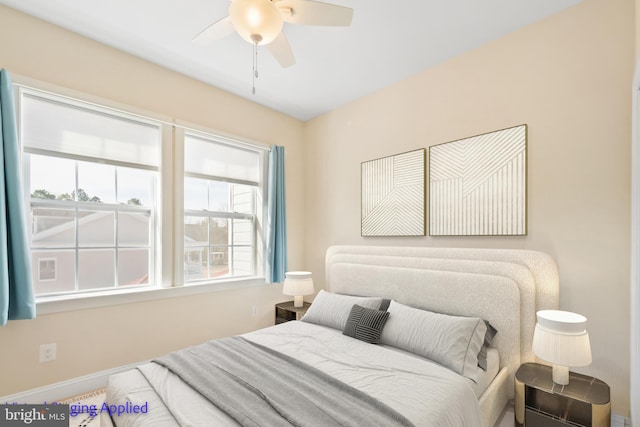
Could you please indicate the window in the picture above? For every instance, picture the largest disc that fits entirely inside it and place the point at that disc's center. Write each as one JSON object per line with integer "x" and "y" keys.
{"x": 91, "y": 175}
{"x": 222, "y": 185}
{"x": 105, "y": 210}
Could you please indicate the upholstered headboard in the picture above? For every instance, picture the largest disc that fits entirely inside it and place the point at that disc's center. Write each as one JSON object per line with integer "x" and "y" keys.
{"x": 504, "y": 286}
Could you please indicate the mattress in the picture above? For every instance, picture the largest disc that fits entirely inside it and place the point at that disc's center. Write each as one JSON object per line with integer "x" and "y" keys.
{"x": 423, "y": 391}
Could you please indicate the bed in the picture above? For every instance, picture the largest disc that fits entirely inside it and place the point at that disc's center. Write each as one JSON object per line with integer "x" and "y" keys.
{"x": 502, "y": 287}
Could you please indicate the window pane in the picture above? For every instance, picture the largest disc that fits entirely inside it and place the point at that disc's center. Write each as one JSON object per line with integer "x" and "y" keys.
{"x": 53, "y": 227}
{"x": 53, "y": 271}
{"x": 195, "y": 194}
{"x": 96, "y": 268}
{"x": 96, "y": 228}
{"x": 195, "y": 263}
{"x": 195, "y": 230}
{"x": 219, "y": 232}
{"x": 218, "y": 196}
{"x": 218, "y": 159}
{"x": 102, "y": 236}
{"x": 244, "y": 199}
{"x": 96, "y": 183}
{"x": 219, "y": 262}
{"x": 133, "y": 228}
{"x": 242, "y": 232}
{"x": 52, "y": 178}
{"x": 133, "y": 267}
{"x": 56, "y": 125}
{"x": 242, "y": 261}
{"x": 135, "y": 186}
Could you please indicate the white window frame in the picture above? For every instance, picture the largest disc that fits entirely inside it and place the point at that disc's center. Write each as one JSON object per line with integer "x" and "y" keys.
{"x": 169, "y": 206}
{"x": 259, "y": 217}
{"x": 78, "y": 205}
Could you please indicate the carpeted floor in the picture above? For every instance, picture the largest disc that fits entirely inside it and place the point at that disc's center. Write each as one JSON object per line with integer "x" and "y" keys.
{"x": 85, "y": 408}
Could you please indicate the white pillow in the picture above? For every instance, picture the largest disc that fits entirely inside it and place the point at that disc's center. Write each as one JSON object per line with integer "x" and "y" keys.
{"x": 332, "y": 310}
{"x": 451, "y": 341}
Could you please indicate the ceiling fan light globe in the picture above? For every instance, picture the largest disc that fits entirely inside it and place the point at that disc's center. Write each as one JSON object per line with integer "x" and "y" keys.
{"x": 256, "y": 20}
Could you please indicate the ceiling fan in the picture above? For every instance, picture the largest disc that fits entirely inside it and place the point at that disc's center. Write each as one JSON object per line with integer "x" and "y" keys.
{"x": 260, "y": 23}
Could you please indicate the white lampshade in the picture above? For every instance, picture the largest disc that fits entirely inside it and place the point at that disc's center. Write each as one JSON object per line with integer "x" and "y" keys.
{"x": 298, "y": 284}
{"x": 257, "y": 21}
{"x": 561, "y": 338}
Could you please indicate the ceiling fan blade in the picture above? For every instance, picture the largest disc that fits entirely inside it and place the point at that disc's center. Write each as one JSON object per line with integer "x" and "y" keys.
{"x": 308, "y": 12}
{"x": 281, "y": 50}
{"x": 215, "y": 31}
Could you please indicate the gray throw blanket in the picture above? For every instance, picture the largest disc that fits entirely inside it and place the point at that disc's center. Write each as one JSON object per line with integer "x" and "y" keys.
{"x": 257, "y": 386}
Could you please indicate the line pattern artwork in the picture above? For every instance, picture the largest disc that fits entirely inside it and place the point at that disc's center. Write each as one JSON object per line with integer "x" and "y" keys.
{"x": 393, "y": 195}
{"x": 477, "y": 185}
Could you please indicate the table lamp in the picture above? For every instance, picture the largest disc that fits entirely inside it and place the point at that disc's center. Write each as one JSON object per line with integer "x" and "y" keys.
{"x": 561, "y": 337}
{"x": 298, "y": 284}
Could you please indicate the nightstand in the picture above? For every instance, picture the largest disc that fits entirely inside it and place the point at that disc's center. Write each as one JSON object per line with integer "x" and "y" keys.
{"x": 584, "y": 402}
{"x": 285, "y": 311}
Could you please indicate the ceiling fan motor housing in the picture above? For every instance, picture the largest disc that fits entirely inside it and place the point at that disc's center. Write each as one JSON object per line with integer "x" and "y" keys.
{"x": 257, "y": 21}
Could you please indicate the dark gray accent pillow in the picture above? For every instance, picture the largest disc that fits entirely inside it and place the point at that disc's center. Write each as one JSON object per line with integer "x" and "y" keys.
{"x": 488, "y": 340}
{"x": 365, "y": 324}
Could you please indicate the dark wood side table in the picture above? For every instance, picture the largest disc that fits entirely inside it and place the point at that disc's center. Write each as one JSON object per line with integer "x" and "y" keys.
{"x": 285, "y": 311}
{"x": 539, "y": 402}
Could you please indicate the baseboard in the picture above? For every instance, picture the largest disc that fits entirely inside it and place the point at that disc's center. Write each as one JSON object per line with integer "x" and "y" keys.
{"x": 68, "y": 388}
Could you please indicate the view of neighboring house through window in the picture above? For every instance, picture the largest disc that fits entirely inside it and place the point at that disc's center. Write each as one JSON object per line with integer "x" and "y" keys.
{"x": 91, "y": 176}
{"x": 221, "y": 202}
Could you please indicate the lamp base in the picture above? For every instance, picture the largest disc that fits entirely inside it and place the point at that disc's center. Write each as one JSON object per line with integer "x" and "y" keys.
{"x": 560, "y": 374}
{"x": 298, "y": 301}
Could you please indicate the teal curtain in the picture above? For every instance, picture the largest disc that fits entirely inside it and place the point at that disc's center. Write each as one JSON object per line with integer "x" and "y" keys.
{"x": 276, "y": 256}
{"x": 16, "y": 292}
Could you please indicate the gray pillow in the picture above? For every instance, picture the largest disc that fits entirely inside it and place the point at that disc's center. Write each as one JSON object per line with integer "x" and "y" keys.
{"x": 332, "y": 310}
{"x": 488, "y": 340}
{"x": 451, "y": 341}
{"x": 365, "y": 324}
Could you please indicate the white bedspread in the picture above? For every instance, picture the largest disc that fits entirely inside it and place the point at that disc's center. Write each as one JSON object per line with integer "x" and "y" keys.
{"x": 426, "y": 393}
{"x": 423, "y": 391}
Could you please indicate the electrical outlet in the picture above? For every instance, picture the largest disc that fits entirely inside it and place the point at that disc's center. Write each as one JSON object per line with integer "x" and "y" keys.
{"x": 48, "y": 352}
{"x": 254, "y": 310}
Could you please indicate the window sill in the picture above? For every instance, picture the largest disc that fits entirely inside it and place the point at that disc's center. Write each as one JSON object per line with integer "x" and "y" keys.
{"x": 49, "y": 305}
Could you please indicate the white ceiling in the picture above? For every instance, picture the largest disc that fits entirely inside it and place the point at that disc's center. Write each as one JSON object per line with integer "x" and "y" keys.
{"x": 386, "y": 42}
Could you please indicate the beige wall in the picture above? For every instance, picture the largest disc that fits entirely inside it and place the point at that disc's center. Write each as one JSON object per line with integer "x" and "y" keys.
{"x": 98, "y": 339}
{"x": 637, "y": 4}
{"x": 569, "y": 78}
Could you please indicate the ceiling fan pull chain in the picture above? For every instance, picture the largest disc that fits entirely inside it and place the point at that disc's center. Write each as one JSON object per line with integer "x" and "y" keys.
{"x": 255, "y": 66}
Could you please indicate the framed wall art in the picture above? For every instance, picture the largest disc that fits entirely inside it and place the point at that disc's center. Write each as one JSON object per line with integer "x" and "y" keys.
{"x": 478, "y": 185}
{"x": 393, "y": 195}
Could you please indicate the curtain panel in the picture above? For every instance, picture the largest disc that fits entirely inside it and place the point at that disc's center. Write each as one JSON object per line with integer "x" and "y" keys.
{"x": 276, "y": 251}
{"x": 16, "y": 292}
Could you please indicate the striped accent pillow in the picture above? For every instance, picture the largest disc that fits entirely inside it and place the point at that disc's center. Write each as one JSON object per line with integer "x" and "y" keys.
{"x": 365, "y": 324}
